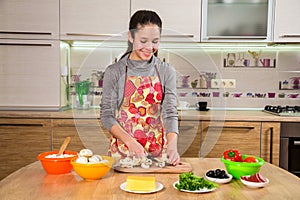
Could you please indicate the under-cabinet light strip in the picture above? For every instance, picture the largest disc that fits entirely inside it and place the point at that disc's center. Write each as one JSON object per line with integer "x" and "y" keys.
{"x": 171, "y": 45}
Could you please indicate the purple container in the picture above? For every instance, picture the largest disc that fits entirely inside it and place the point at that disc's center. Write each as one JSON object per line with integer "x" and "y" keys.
{"x": 271, "y": 94}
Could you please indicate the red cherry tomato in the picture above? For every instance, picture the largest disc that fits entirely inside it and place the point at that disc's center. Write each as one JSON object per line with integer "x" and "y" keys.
{"x": 250, "y": 159}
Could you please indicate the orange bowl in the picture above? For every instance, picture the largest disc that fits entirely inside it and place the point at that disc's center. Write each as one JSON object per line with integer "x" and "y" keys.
{"x": 56, "y": 165}
{"x": 92, "y": 171}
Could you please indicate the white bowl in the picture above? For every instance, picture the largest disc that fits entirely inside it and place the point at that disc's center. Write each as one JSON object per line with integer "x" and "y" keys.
{"x": 220, "y": 180}
{"x": 255, "y": 184}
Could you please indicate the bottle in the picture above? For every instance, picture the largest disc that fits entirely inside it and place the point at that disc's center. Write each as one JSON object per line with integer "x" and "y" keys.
{"x": 203, "y": 83}
{"x": 94, "y": 78}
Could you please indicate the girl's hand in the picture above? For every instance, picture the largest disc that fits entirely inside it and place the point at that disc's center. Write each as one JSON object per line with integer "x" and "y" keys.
{"x": 173, "y": 156}
{"x": 136, "y": 149}
{"x": 172, "y": 152}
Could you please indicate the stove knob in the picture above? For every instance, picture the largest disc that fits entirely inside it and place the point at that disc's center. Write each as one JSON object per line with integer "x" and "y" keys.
{"x": 279, "y": 109}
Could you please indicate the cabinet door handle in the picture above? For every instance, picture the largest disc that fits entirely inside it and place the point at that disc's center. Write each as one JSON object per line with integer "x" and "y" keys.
{"x": 24, "y": 44}
{"x": 178, "y": 36}
{"x": 25, "y": 33}
{"x": 271, "y": 145}
{"x": 236, "y": 37}
{"x": 233, "y": 127}
{"x": 185, "y": 127}
{"x": 290, "y": 35}
{"x": 35, "y": 125}
{"x": 296, "y": 142}
{"x": 78, "y": 125}
{"x": 94, "y": 35}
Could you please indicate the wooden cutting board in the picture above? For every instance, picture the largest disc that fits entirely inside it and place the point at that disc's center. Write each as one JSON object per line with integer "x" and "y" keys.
{"x": 180, "y": 168}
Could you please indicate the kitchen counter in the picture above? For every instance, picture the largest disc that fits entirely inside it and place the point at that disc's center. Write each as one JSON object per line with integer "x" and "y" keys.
{"x": 283, "y": 185}
{"x": 228, "y": 115}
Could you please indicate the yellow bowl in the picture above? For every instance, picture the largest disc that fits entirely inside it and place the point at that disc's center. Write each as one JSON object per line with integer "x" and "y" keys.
{"x": 92, "y": 171}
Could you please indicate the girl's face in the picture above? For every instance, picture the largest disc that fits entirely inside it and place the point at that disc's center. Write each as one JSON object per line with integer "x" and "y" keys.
{"x": 145, "y": 42}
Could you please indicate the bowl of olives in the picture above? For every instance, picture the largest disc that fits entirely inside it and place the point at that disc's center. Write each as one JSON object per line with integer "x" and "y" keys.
{"x": 218, "y": 176}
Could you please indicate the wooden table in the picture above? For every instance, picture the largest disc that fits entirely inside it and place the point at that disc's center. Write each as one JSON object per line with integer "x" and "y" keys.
{"x": 31, "y": 182}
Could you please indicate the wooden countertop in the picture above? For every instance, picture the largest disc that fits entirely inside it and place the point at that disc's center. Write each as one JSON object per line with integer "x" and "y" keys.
{"x": 31, "y": 182}
{"x": 228, "y": 115}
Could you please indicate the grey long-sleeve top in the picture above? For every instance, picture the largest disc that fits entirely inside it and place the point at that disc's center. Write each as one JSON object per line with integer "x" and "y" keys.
{"x": 113, "y": 89}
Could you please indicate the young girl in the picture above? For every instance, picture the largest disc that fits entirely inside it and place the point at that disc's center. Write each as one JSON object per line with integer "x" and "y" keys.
{"x": 138, "y": 104}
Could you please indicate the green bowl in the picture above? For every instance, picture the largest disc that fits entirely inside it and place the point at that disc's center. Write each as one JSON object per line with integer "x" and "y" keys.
{"x": 238, "y": 169}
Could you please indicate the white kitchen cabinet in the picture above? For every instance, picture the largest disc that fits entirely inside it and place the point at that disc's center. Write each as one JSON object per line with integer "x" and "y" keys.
{"x": 287, "y": 28}
{"x": 94, "y": 20}
{"x": 181, "y": 20}
{"x": 29, "y": 74}
{"x": 29, "y": 19}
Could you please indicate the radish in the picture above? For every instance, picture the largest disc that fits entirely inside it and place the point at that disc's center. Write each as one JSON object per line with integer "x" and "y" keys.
{"x": 258, "y": 178}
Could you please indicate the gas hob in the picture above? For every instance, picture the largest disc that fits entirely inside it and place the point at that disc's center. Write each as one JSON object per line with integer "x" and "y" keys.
{"x": 283, "y": 110}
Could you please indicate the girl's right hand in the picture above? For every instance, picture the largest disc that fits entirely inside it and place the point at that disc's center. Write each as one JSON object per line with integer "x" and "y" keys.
{"x": 136, "y": 149}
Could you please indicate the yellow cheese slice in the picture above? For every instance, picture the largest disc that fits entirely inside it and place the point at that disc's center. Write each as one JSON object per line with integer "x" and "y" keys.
{"x": 140, "y": 183}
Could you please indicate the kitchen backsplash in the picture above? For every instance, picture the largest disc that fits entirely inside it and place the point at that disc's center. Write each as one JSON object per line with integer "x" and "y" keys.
{"x": 225, "y": 77}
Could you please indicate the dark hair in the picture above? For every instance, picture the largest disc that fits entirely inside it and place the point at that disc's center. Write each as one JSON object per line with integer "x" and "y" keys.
{"x": 142, "y": 17}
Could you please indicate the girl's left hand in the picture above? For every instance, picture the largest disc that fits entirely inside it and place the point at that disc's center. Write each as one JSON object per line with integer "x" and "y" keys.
{"x": 172, "y": 152}
{"x": 173, "y": 156}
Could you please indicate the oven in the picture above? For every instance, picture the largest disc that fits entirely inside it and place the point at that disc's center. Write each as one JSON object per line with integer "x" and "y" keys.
{"x": 289, "y": 157}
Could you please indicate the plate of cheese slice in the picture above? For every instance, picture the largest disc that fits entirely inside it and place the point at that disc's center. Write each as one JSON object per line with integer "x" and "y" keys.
{"x": 158, "y": 187}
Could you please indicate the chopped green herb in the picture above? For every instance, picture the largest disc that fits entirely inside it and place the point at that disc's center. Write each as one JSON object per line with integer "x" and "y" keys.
{"x": 189, "y": 181}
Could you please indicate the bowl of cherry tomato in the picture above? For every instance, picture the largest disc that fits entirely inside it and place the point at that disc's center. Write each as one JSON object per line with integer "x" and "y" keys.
{"x": 241, "y": 165}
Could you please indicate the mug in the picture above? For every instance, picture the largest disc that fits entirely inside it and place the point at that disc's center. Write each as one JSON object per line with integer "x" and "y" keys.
{"x": 271, "y": 94}
{"x": 216, "y": 94}
{"x": 281, "y": 95}
{"x": 201, "y": 105}
{"x": 237, "y": 95}
{"x": 226, "y": 94}
{"x": 293, "y": 95}
{"x": 184, "y": 104}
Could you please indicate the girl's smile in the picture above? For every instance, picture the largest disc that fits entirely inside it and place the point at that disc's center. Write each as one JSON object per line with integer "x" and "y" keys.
{"x": 145, "y": 42}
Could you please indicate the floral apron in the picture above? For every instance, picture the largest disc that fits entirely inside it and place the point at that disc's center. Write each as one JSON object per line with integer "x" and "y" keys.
{"x": 140, "y": 115}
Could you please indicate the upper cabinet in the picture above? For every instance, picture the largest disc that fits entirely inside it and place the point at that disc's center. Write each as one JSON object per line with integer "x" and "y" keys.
{"x": 30, "y": 74}
{"x": 287, "y": 15}
{"x": 94, "y": 20}
{"x": 237, "y": 20}
{"x": 29, "y": 19}
{"x": 181, "y": 19}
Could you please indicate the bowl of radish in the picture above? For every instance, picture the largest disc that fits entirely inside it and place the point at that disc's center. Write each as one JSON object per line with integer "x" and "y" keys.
{"x": 254, "y": 181}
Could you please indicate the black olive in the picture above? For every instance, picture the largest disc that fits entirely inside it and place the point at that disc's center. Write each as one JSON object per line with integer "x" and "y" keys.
{"x": 223, "y": 176}
{"x": 210, "y": 173}
{"x": 217, "y": 173}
